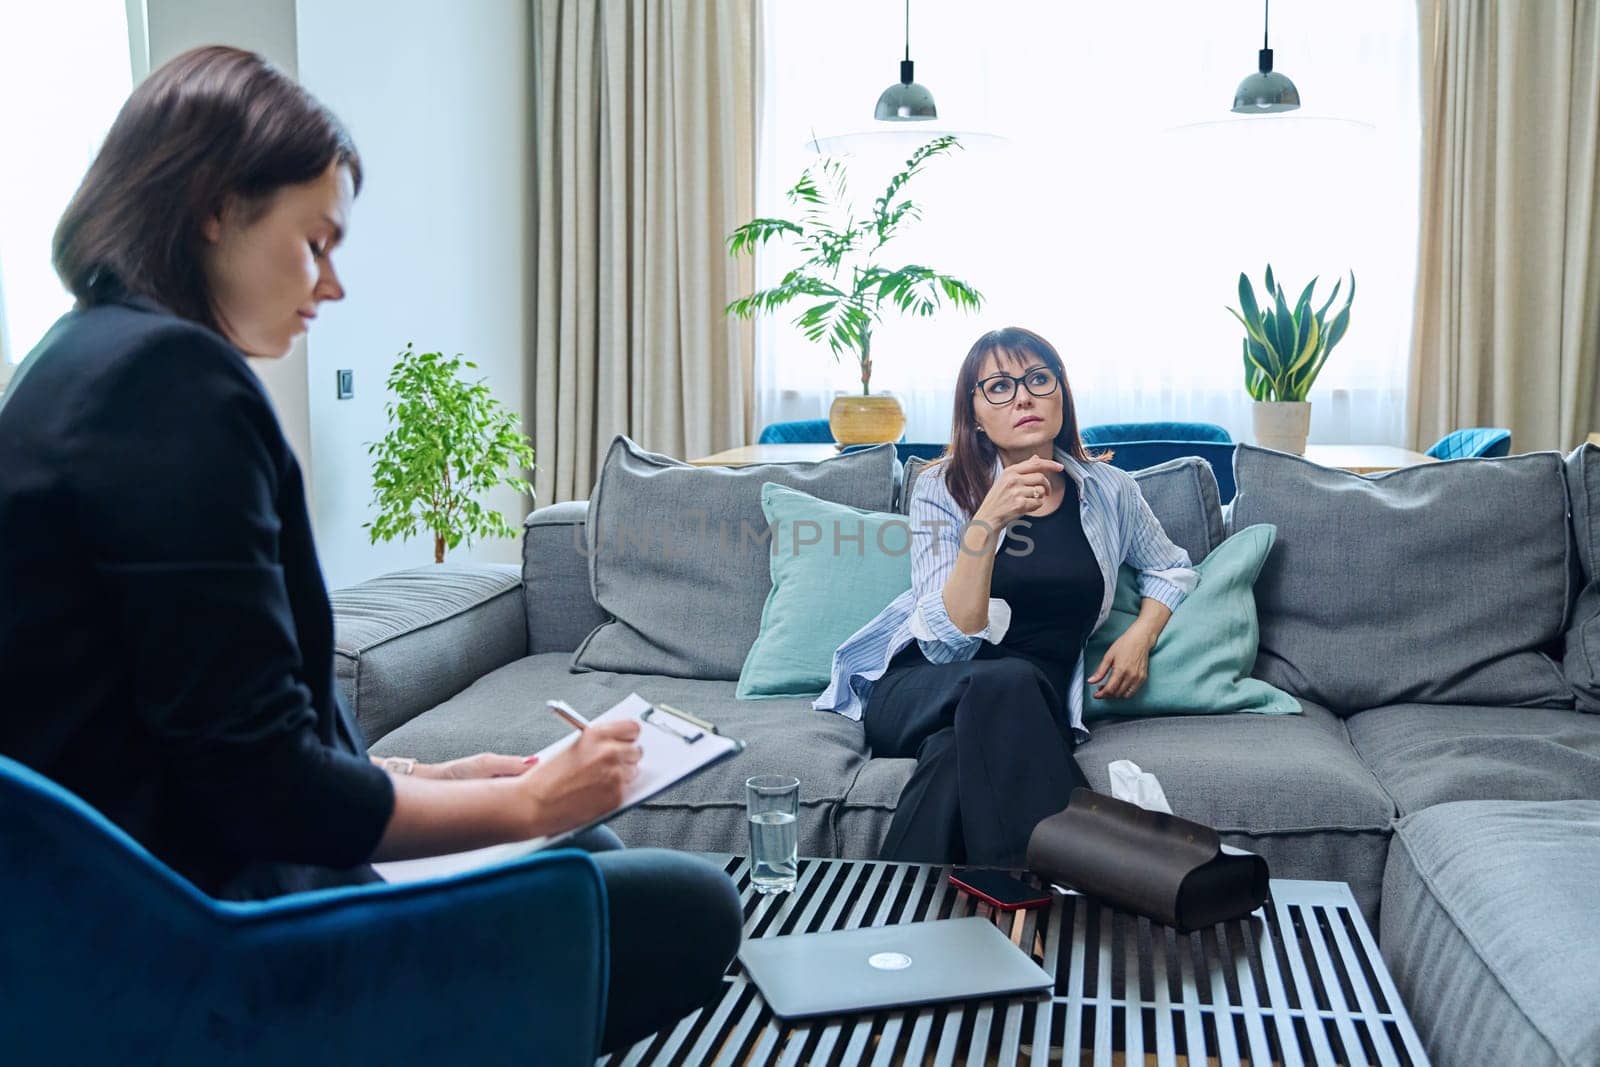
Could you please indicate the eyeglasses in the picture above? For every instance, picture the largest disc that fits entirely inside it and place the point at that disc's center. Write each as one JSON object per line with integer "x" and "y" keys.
{"x": 1001, "y": 389}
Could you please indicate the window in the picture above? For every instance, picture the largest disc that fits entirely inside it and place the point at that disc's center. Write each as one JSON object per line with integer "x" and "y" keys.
{"x": 1121, "y": 200}
{"x": 65, "y": 69}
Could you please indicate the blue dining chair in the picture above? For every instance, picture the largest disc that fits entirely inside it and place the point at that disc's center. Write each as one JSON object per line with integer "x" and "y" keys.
{"x": 906, "y": 450}
{"x": 1137, "y": 455}
{"x": 802, "y": 432}
{"x": 1476, "y": 442}
{"x": 1112, "y": 433}
{"x": 108, "y": 956}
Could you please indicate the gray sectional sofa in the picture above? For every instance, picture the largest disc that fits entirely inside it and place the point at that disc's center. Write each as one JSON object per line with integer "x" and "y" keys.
{"x": 1440, "y": 626}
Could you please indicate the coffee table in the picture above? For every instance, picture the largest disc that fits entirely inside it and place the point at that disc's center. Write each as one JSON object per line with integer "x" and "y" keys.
{"x": 1300, "y": 981}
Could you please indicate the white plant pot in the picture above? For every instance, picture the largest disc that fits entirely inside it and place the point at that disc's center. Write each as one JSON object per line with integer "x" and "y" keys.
{"x": 1282, "y": 424}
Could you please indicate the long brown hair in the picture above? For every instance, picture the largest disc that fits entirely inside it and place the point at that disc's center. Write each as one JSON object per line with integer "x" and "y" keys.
{"x": 211, "y": 124}
{"x": 969, "y": 461}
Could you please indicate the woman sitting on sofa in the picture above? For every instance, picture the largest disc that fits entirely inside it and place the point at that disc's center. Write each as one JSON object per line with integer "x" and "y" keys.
{"x": 977, "y": 671}
{"x": 166, "y": 642}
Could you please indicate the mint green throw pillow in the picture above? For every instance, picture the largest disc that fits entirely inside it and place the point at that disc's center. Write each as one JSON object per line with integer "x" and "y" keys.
{"x": 1202, "y": 660}
{"x": 834, "y": 568}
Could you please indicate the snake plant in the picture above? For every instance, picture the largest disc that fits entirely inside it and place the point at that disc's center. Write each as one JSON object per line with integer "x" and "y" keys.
{"x": 1285, "y": 347}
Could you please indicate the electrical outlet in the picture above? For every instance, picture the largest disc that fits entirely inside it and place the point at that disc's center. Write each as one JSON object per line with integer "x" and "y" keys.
{"x": 347, "y": 384}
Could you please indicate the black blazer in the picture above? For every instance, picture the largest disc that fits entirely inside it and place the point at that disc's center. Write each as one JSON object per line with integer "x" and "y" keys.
{"x": 166, "y": 644}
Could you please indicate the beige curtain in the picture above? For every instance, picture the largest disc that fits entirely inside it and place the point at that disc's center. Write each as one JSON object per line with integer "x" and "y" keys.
{"x": 644, "y": 142}
{"x": 1508, "y": 288}
{"x": 5, "y": 341}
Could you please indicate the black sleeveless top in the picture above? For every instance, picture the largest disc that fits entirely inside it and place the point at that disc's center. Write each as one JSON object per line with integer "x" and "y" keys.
{"x": 1047, "y": 573}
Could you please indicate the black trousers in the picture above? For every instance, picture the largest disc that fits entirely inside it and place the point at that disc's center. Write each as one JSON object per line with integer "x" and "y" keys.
{"x": 993, "y": 745}
{"x": 676, "y": 924}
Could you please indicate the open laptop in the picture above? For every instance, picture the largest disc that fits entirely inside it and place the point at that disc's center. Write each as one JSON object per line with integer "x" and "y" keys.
{"x": 888, "y": 967}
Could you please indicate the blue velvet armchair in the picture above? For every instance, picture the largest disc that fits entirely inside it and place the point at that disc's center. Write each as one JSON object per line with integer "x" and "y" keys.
{"x": 107, "y": 956}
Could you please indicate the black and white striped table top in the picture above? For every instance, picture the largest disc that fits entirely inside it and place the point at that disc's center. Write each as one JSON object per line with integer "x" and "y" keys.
{"x": 1298, "y": 982}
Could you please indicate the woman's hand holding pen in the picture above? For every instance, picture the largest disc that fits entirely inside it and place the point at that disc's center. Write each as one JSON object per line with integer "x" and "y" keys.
{"x": 586, "y": 779}
{"x": 492, "y": 802}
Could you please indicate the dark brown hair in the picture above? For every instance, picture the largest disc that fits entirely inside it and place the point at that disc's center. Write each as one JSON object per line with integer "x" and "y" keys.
{"x": 969, "y": 461}
{"x": 212, "y": 124}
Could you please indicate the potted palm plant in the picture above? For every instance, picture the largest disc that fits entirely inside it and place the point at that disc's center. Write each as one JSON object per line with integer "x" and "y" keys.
{"x": 1285, "y": 348}
{"x": 845, "y": 285}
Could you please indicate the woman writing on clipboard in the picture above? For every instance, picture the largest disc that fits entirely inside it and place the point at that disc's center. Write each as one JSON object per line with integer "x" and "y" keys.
{"x": 165, "y": 635}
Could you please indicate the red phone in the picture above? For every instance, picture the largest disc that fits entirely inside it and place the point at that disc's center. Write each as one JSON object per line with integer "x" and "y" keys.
{"x": 999, "y": 889}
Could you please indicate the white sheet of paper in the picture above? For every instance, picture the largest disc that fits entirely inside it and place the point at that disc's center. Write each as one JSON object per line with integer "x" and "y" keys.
{"x": 666, "y": 760}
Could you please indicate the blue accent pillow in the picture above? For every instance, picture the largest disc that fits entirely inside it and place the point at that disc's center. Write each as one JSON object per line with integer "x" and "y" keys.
{"x": 1202, "y": 661}
{"x": 834, "y": 567}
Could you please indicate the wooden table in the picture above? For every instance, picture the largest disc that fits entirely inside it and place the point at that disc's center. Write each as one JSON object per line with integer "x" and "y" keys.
{"x": 1358, "y": 459}
{"x": 1366, "y": 459}
{"x": 750, "y": 455}
{"x": 1300, "y": 981}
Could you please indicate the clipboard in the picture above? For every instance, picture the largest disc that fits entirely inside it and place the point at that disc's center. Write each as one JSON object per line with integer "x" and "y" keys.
{"x": 677, "y": 746}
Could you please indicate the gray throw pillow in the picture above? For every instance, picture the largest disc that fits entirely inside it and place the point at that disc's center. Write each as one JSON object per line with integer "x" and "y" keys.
{"x": 1183, "y": 495}
{"x": 680, "y": 556}
{"x": 1435, "y": 584}
{"x": 1582, "y": 660}
{"x": 914, "y": 468}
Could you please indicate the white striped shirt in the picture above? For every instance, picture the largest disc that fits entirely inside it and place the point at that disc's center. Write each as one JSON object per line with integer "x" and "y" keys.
{"x": 1117, "y": 523}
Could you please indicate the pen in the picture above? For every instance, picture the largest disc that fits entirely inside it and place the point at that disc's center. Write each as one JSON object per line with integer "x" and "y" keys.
{"x": 564, "y": 710}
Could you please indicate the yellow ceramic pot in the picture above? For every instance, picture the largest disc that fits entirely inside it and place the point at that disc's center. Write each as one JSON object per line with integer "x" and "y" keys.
{"x": 866, "y": 420}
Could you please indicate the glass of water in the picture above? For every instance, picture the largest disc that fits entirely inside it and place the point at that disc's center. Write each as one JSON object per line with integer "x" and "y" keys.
{"x": 772, "y": 802}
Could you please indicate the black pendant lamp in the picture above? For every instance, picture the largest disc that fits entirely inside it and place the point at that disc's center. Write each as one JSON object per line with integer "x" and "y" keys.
{"x": 905, "y": 100}
{"x": 1266, "y": 90}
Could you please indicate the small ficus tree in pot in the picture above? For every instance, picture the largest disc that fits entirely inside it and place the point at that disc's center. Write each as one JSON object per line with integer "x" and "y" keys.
{"x": 449, "y": 441}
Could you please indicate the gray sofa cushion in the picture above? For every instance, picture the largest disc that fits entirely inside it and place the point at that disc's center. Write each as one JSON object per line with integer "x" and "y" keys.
{"x": 908, "y": 482}
{"x": 504, "y": 712}
{"x": 681, "y": 554}
{"x": 868, "y": 809}
{"x": 407, "y": 640}
{"x": 1426, "y": 754}
{"x": 1289, "y": 787}
{"x": 1582, "y": 659}
{"x": 1489, "y": 930}
{"x": 1438, "y": 583}
{"x": 555, "y": 577}
{"x": 1182, "y": 493}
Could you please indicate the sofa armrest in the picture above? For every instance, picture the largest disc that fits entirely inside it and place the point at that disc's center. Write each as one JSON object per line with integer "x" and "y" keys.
{"x": 410, "y": 640}
{"x": 498, "y": 965}
{"x": 555, "y": 577}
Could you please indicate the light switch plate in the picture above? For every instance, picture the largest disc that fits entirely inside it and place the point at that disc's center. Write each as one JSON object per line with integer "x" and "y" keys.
{"x": 347, "y": 384}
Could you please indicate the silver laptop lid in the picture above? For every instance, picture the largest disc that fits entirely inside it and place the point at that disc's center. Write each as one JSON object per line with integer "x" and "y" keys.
{"x": 888, "y": 967}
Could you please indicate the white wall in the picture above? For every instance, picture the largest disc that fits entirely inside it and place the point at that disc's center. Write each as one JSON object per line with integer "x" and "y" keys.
{"x": 266, "y": 26}
{"x": 436, "y": 97}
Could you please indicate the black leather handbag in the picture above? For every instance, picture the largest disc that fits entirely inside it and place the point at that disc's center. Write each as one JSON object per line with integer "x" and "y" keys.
{"x": 1172, "y": 870}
